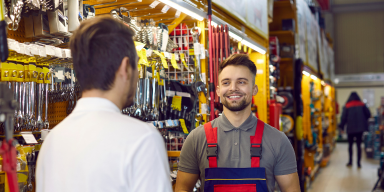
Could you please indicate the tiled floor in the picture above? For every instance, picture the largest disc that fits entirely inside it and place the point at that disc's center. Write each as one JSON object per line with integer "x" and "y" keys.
{"x": 337, "y": 177}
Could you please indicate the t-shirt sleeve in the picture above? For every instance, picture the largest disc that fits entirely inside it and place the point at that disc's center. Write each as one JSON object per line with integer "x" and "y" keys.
{"x": 286, "y": 158}
{"x": 188, "y": 158}
{"x": 149, "y": 170}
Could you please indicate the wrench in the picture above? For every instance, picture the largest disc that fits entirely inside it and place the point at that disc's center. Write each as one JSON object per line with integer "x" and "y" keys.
{"x": 46, "y": 122}
{"x": 40, "y": 123}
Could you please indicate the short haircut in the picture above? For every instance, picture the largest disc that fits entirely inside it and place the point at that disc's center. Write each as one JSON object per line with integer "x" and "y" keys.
{"x": 239, "y": 60}
{"x": 98, "y": 46}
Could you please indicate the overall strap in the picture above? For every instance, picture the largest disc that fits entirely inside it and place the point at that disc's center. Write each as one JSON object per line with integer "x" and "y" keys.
{"x": 211, "y": 135}
{"x": 256, "y": 147}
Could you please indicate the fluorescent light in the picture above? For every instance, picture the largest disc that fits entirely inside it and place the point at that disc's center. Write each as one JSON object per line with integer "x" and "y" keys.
{"x": 313, "y": 77}
{"x": 183, "y": 9}
{"x": 306, "y": 73}
{"x": 238, "y": 38}
{"x": 252, "y": 46}
{"x": 337, "y": 80}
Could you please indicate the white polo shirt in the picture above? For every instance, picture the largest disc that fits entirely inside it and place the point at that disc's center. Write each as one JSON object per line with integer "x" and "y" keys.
{"x": 96, "y": 148}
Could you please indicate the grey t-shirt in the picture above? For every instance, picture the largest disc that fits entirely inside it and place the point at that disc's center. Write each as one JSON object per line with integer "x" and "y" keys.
{"x": 278, "y": 156}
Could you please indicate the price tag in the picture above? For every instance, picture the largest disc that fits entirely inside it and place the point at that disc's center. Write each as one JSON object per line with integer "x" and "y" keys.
{"x": 170, "y": 93}
{"x": 204, "y": 108}
{"x": 176, "y": 102}
{"x": 42, "y": 51}
{"x": 165, "y": 9}
{"x": 196, "y": 48}
{"x": 169, "y": 123}
{"x": 177, "y": 57}
{"x": 183, "y": 60}
{"x": 173, "y": 62}
{"x": 149, "y": 52}
{"x": 34, "y": 50}
{"x": 154, "y": 4}
{"x": 50, "y": 50}
{"x": 160, "y": 124}
{"x": 165, "y": 64}
{"x": 29, "y": 137}
{"x": 182, "y": 123}
{"x": 68, "y": 53}
{"x": 176, "y": 122}
{"x": 178, "y": 13}
{"x": 63, "y": 53}
{"x": 27, "y": 50}
{"x": 22, "y": 48}
{"x": 58, "y": 52}
{"x": 202, "y": 51}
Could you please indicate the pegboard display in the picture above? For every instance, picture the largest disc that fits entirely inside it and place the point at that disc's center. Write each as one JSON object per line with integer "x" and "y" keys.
{"x": 56, "y": 113}
{"x": 19, "y": 34}
{"x": 183, "y": 38}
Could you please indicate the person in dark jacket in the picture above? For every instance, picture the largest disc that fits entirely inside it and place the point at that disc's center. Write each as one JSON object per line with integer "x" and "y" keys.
{"x": 355, "y": 116}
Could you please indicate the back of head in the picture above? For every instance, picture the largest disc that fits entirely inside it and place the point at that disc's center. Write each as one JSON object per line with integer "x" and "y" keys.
{"x": 353, "y": 97}
{"x": 98, "y": 47}
{"x": 239, "y": 60}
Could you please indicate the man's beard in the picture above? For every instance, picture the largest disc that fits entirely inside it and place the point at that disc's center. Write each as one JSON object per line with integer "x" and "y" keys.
{"x": 131, "y": 97}
{"x": 237, "y": 106}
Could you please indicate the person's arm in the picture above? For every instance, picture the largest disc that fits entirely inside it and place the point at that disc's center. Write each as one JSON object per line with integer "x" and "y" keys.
{"x": 149, "y": 167}
{"x": 288, "y": 183}
{"x": 188, "y": 173}
{"x": 185, "y": 182}
{"x": 285, "y": 170}
{"x": 343, "y": 119}
{"x": 367, "y": 112}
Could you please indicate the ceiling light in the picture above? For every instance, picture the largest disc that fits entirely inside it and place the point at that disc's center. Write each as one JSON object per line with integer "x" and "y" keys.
{"x": 252, "y": 46}
{"x": 238, "y": 38}
{"x": 306, "y": 73}
{"x": 182, "y": 9}
{"x": 313, "y": 77}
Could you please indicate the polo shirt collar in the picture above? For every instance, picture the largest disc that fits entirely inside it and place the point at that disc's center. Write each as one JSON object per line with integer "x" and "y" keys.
{"x": 226, "y": 125}
{"x": 95, "y": 104}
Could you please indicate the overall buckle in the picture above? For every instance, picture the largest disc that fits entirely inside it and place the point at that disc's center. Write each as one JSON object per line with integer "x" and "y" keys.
{"x": 212, "y": 150}
{"x": 256, "y": 151}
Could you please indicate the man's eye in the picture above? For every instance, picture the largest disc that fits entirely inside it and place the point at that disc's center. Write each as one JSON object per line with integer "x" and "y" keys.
{"x": 242, "y": 82}
{"x": 225, "y": 83}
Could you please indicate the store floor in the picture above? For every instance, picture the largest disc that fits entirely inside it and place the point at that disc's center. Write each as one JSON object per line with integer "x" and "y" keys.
{"x": 337, "y": 177}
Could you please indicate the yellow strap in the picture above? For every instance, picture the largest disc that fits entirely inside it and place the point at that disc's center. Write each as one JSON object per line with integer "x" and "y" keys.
{"x": 182, "y": 123}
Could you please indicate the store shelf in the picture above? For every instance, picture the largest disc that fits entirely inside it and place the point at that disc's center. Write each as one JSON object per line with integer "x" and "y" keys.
{"x": 319, "y": 157}
{"x": 286, "y": 60}
{"x": 314, "y": 171}
{"x": 174, "y": 153}
{"x": 325, "y": 161}
{"x": 286, "y": 5}
{"x": 282, "y": 33}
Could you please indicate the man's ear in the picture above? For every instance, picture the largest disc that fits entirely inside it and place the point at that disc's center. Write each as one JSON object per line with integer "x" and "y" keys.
{"x": 218, "y": 91}
{"x": 255, "y": 90}
{"x": 125, "y": 70}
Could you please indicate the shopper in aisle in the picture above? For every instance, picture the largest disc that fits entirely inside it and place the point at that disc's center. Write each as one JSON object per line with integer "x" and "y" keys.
{"x": 96, "y": 148}
{"x": 230, "y": 137}
{"x": 355, "y": 117}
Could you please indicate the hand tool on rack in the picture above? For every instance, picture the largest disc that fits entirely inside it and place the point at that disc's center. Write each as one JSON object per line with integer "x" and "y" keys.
{"x": 217, "y": 61}
{"x": 227, "y": 43}
{"x": 7, "y": 149}
{"x": 211, "y": 84}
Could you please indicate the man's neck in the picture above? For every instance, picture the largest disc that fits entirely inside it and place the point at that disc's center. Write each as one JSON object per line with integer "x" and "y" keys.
{"x": 103, "y": 94}
{"x": 237, "y": 118}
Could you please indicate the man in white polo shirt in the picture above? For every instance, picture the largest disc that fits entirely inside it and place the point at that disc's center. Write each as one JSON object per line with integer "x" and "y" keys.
{"x": 96, "y": 148}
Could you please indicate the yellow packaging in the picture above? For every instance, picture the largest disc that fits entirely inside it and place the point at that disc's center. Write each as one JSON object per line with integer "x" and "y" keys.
{"x": 47, "y": 74}
{"x": 40, "y": 76}
{"x": 27, "y": 72}
{"x": 12, "y": 69}
{"x": 5, "y": 72}
{"x": 20, "y": 71}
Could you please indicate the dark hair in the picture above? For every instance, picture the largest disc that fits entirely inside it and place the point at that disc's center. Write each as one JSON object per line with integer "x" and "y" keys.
{"x": 353, "y": 97}
{"x": 239, "y": 60}
{"x": 98, "y": 46}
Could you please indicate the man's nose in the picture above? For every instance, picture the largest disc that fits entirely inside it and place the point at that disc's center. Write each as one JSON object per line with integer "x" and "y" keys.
{"x": 233, "y": 86}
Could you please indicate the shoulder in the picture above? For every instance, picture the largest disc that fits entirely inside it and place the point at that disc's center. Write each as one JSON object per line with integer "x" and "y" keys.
{"x": 272, "y": 133}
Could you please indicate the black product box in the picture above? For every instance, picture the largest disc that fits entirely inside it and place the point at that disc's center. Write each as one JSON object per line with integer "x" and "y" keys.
{"x": 288, "y": 25}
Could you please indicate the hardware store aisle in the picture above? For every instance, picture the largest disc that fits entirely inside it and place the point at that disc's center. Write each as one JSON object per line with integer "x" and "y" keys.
{"x": 337, "y": 177}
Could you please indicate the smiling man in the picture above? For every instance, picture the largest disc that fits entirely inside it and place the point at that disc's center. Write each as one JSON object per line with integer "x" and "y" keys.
{"x": 237, "y": 152}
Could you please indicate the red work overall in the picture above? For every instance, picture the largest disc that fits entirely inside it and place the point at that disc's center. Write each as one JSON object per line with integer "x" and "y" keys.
{"x": 235, "y": 179}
